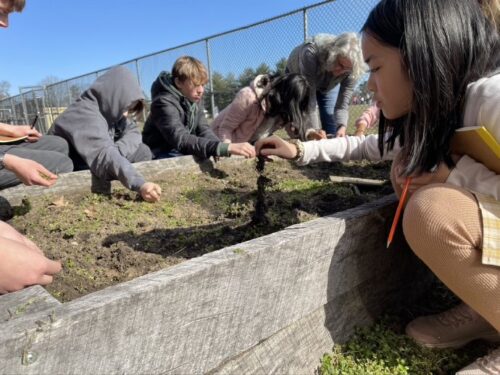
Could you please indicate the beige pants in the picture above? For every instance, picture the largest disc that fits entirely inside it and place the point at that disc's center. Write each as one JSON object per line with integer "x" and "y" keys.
{"x": 442, "y": 225}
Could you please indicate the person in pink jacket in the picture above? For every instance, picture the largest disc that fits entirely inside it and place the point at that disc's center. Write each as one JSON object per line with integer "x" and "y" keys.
{"x": 268, "y": 104}
{"x": 367, "y": 120}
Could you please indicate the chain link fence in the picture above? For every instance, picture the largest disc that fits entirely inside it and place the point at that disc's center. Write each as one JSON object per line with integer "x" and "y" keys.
{"x": 233, "y": 58}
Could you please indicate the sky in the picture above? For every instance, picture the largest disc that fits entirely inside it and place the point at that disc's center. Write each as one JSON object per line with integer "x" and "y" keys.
{"x": 68, "y": 38}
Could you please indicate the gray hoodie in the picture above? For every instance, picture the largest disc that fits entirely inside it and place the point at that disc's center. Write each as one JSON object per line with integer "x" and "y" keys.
{"x": 94, "y": 125}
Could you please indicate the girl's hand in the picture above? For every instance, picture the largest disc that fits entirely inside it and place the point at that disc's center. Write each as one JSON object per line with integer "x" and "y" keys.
{"x": 274, "y": 145}
{"x": 150, "y": 192}
{"x": 360, "y": 128}
{"x": 341, "y": 130}
{"x": 316, "y": 135}
{"x": 439, "y": 175}
{"x": 243, "y": 149}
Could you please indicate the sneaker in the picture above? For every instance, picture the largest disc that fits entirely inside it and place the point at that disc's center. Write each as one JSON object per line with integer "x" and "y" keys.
{"x": 451, "y": 329}
{"x": 487, "y": 365}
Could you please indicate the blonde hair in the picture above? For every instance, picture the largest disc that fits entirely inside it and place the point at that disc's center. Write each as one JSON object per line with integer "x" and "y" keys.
{"x": 16, "y": 5}
{"x": 347, "y": 45}
{"x": 187, "y": 67}
{"x": 491, "y": 9}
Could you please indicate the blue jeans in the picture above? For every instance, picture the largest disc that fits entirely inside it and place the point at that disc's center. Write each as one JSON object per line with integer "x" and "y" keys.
{"x": 326, "y": 105}
{"x": 159, "y": 154}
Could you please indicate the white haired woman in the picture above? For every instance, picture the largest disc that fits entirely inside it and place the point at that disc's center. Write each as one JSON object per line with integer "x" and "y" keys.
{"x": 332, "y": 66}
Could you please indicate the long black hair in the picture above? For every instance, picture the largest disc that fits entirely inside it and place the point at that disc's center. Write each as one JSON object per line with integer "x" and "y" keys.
{"x": 445, "y": 45}
{"x": 287, "y": 97}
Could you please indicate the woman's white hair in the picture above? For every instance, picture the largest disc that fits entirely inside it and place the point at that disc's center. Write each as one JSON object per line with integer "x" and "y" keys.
{"x": 347, "y": 45}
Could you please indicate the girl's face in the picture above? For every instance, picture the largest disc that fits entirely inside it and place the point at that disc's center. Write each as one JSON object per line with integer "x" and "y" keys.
{"x": 391, "y": 86}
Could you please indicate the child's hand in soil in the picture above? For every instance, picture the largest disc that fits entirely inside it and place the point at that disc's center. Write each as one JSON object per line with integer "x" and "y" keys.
{"x": 8, "y": 232}
{"x": 150, "y": 192}
{"x": 274, "y": 145}
{"x": 22, "y": 266}
{"x": 242, "y": 149}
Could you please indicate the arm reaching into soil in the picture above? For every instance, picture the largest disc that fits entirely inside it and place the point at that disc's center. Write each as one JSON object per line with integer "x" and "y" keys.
{"x": 327, "y": 150}
{"x": 22, "y": 263}
{"x": 242, "y": 149}
{"x": 276, "y": 146}
{"x": 150, "y": 192}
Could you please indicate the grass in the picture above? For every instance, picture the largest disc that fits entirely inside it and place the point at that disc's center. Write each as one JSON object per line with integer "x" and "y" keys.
{"x": 384, "y": 349}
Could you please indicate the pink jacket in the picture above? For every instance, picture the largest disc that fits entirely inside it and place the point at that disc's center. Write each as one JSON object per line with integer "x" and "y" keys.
{"x": 240, "y": 119}
{"x": 370, "y": 116}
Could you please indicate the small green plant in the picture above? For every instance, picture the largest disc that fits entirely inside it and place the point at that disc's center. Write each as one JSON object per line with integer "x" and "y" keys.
{"x": 379, "y": 350}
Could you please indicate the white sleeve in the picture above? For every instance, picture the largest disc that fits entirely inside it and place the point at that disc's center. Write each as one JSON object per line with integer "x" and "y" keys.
{"x": 345, "y": 149}
{"x": 475, "y": 176}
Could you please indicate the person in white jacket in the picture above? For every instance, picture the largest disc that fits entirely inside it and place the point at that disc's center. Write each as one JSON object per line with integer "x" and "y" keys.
{"x": 434, "y": 67}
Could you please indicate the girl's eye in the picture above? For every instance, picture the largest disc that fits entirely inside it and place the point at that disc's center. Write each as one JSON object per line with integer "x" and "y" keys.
{"x": 373, "y": 70}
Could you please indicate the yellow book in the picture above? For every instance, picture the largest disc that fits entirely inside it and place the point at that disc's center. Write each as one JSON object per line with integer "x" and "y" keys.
{"x": 478, "y": 143}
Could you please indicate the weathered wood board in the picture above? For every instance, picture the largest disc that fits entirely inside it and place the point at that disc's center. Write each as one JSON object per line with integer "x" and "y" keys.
{"x": 270, "y": 305}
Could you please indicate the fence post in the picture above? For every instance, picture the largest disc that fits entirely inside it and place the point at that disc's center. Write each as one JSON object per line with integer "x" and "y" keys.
{"x": 140, "y": 85}
{"x": 25, "y": 109}
{"x": 14, "y": 114}
{"x": 212, "y": 98}
{"x": 304, "y": 17}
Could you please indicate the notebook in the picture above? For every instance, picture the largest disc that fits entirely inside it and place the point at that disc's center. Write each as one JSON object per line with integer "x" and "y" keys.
{"x": 478, "y": 143}
{"x": 6, "y": 139}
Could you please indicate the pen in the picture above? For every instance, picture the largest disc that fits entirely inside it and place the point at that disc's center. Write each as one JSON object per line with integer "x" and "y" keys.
{"x": 34, "y": 122}
{"x": 398, "y": 210}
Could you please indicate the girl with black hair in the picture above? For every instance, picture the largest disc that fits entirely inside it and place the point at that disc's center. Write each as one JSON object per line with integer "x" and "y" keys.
{"x": 270, "y": 102}
{"x": 434, "y": 67}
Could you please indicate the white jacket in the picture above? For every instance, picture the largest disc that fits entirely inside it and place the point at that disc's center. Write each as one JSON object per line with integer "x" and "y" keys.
{"x": 482, "y": 109}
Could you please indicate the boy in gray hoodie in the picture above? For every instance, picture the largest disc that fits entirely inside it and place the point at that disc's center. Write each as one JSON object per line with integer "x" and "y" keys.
{"x": 103, "y": 138}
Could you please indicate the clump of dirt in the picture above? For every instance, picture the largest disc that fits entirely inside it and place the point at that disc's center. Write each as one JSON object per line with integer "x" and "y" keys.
{"x": 104, "y": 240}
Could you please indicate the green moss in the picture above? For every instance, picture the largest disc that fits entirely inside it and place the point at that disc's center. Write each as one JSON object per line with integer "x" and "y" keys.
{"x": 380, "y": 350}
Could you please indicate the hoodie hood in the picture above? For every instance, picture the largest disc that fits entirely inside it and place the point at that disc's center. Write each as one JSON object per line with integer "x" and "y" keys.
{"x": 163, "y": 83}
{"x": 103, "y": 103}
{"x": 114, "y": 92}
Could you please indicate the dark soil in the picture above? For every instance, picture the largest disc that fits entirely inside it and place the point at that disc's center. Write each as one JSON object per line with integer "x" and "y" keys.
{"x": 104, "y": 240}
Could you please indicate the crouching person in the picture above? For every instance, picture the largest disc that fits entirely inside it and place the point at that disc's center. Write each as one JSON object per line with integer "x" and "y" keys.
{"x": 103, "y": 137}
{"x": 176, "y": 124}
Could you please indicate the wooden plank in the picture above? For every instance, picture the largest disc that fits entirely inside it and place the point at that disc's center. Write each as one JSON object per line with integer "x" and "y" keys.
{"x": 24, "y": 302}
{"x": 358, "y": 181}
{"x": 193, "y": 317}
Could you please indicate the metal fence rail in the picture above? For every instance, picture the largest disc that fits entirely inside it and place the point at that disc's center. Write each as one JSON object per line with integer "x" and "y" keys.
{"x": 232, "y": 59}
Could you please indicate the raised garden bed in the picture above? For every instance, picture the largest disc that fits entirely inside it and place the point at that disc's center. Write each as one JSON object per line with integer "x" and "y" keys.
{"x": 272, "y": 304}
{"x": 104, "y": 240}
